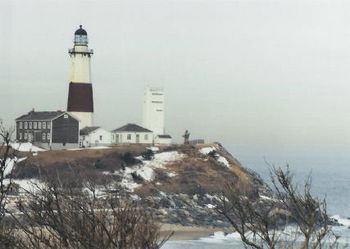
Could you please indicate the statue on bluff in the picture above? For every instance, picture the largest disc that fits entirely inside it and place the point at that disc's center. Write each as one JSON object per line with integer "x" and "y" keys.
{"x": 186, "y": 137}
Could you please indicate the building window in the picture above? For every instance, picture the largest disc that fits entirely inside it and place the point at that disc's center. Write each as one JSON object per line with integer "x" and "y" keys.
{"x": 157, "y": 102}
{"x": 100, "y": 138}
{"x": 25, "y": 136}
{"x": 129, "y": 137}
{"x": 65, "y": 116}
{"x": 48, "y": 136}
{"x": 20, "y": 136}
{"x": 20, "y": 125}
{"x": 30, "y": 125}
{"x": 39, "y": 125}
{"x": 30, "y": 136}
{"x": 25, "y": 125}
{"x": 44, "y": 125}
{"x": 34, "y": 125}
{"x": 48, "y": 125}
{"x": 146, "y": 136}
{"x": 44, "y": 136}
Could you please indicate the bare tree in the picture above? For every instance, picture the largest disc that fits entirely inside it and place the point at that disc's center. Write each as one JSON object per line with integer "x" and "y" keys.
{"x": 6, "y": 155}
{"x": 7, "y": 159}
{"x": 292, "y": 218}
{"x": 65, "y": 218}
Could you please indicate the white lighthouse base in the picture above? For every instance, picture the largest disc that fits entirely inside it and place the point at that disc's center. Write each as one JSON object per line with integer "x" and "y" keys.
{"x": 85, "y": 118}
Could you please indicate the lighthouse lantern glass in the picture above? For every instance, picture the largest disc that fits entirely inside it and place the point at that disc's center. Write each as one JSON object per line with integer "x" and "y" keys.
{"x": 80, "y": 40}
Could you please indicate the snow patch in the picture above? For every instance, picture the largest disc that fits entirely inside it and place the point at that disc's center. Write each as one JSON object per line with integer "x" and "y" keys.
{"x": 224, "y": 161}
{"x": 220, "y": 236}
{"x": 26, "y": 185}
{"x": 98, "y": 148}
{"x": 264, "y": 197}
{"x": 10, "y": 163}
{"x": 207, "y": 150}
{"x": 210, "y": 206}
{"x": 146, "y": 173}
{"x": 341, "y": 220}
{"x": 171, "y": 174}
{"x": 135, "y": 197}
{"x": 153, "y": 148}
{"x": 168, "y": 156}
{"x": 26, "y": 147}
{"x": 218, "y": 157}
{"x": 129, "y": 184}
{"x": 91, "y": 148}
{"x": 146, "y": 169}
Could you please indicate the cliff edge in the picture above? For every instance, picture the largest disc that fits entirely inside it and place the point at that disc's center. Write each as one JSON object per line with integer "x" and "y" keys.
{"x": 179, "y": 182}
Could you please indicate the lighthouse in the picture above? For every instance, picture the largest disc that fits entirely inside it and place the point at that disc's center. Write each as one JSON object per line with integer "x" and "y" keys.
{"x": 153, "y": 110}
{"x": 80, "y": 95}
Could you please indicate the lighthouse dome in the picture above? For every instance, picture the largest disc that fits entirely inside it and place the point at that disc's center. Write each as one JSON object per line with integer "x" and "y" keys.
{"x": 80, "y": 37}
{"x": 80, "y": 31}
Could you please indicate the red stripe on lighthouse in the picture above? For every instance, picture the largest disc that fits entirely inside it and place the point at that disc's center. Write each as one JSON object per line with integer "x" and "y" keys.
{"x": 80, "y": 97}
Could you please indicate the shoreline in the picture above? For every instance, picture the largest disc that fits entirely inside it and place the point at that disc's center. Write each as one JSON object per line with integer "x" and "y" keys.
{"x": 189, "y": 232}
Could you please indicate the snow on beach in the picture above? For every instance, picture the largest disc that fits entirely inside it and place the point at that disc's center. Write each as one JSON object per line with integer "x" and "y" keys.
{"x": 341, "y": 220}
{"x": 221, "y": 236}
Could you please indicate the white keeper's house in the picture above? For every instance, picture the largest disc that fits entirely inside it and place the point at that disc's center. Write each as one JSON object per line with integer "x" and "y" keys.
{"x": 94, "y": 136}
{"x": 132, "y": 134}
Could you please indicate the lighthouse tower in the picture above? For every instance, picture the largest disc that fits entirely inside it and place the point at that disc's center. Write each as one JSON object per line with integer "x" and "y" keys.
{"x": 80, "y": 97}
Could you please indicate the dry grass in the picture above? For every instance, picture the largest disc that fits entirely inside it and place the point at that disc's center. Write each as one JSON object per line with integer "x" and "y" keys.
{"x": 198, "y": 173}
{"x": 48, "y": 158}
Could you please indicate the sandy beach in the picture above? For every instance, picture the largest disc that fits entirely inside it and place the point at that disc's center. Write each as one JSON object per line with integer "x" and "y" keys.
{"x": 189, "y": 232}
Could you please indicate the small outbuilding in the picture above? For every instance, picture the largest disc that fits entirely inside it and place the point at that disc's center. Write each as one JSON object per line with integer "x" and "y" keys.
{"x": 94, "y": 136}
{"x": 49, "y": 130}
{"x": 132, "y": 134}
{"x": 162, "y": 139}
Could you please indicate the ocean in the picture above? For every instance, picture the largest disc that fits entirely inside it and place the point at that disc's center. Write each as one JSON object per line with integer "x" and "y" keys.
{"x": 330, "y": 173}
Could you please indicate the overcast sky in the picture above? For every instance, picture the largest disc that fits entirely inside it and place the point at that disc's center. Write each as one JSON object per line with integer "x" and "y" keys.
{"x": 252, "y": 74}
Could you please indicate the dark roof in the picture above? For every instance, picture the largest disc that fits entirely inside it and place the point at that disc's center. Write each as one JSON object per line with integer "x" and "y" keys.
{"x": 132, "y": 128}
{"x": 164, "y": 136}
{"x": 87, "y": 130}
{"x": 33, "y": 115}
{"x": 80, "y": 31}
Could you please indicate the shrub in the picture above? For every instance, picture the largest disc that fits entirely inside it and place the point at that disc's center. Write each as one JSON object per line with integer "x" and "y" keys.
{"x": 109, "y": 164}
{"x": 136, "y": 177}
{"x": 213, "y": 154}
{"x": 148, "y": 155}
{"x": 53, "y": 219}
{"x": 129, "y": 159}
{"x": 26, "y": 169}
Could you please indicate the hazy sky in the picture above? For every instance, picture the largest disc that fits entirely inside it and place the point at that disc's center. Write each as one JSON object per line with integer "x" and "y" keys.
{"x": 250, "y": 73}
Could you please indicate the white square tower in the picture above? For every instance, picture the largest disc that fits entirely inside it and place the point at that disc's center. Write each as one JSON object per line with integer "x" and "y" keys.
{"x": 153, "y": 110}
